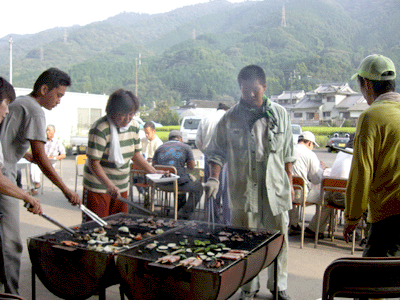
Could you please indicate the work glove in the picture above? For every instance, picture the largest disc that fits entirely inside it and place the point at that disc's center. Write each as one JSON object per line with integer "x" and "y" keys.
{"x": 211, "y": 187}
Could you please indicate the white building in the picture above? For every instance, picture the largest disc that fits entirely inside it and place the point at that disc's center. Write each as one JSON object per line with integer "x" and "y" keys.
{"x": 74, "y": 115}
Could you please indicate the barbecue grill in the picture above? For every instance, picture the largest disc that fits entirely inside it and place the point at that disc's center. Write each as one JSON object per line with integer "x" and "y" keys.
{"x": 78, "y": 272}
{"x": 143, "y": 278}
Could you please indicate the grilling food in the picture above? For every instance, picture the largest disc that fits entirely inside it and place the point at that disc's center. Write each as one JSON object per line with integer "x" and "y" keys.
{"x": 187, "y": 261}
{"x": 170, "y": 259}
{"x": 217, "y": 263}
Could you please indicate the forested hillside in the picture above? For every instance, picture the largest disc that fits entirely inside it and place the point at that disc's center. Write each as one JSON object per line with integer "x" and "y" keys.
{"x": 195, "y": 52}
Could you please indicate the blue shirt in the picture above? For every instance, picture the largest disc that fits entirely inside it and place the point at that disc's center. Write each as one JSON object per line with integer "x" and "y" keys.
{"x": 177, "y": 154}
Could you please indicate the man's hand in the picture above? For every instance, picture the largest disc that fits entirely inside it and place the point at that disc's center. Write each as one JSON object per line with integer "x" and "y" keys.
{"x": 292, "y": 192}
{"x": 114, "y": 192}
{"x": 347, "y": 230}
{"x": 34, "y": 205}
{"x": 211, "y": 187}
{"x": 29, "y": 157}
{"x": 72, "y": 197}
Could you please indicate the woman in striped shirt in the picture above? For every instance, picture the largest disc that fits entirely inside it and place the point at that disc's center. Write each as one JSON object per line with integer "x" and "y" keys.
{"x": 113, "y": 142}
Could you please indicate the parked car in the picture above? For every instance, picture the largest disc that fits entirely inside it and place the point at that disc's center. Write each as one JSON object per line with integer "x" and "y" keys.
{"x": 78, "y": 144}
{"x": 189, "y": 126}
{"x": 338, "y": 140}
{"x": 296, "y": 130}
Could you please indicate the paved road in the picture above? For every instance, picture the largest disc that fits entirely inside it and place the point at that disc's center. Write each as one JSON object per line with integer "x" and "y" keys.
{"x": 306, "y": 266}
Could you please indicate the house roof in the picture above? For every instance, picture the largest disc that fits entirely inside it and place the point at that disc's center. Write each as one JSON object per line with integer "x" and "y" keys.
{"x": 306, "y": 103}
{"x": 350, "y": 100}
{"x": 359, "y": 106}
{"x": 332, "y": 88}
{"x": 286, "y": 95}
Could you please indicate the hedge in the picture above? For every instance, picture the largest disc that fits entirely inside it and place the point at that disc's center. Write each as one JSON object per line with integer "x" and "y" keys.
{"x": 322, "y": 134}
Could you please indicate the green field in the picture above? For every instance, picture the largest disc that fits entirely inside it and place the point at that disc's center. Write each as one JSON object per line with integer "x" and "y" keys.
{"x": 321, "y": 133}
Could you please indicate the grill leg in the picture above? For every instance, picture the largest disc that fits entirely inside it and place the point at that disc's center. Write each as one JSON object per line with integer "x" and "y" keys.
{"x": 121, "y": 292}
{"x": 33, "y": 279}
{"x": 276, "y": 278}
{"x": 102, "y": 294}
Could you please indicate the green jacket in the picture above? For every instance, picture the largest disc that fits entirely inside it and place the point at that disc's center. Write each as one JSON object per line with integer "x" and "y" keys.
{"x": 374, "y": 180}
{"x": 234, "y": 142}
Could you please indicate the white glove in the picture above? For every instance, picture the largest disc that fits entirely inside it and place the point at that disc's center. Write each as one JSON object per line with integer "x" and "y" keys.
{"x": 211, "y": 187}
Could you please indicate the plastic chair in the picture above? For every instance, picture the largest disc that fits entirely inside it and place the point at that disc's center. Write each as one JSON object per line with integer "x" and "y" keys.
{"x": 80, "y": 160}
{"x": 299, "y": 184}
{"x": 137, "y": 177}
{"x": 367, "y": 277}
{"x": 338, "y": 185}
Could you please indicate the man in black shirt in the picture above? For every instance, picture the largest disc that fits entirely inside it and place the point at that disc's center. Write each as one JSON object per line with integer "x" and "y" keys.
{"x": 175, "y": 153}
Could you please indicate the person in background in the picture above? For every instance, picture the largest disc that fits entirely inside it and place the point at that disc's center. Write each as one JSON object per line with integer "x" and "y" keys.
{"x": 113, "y": 141}
{"x": 175, "y": 153}
{"x": 54, "y": 150}
{"x": 340, "y": 169}
{"x": 151, "y": 142}
{"x": 204, "y": 134}
{"x": 374, "y": 180}
{"x": 255, "y": 138}
{"x": 25, "y": 128}
{"x": 310, "y": 169}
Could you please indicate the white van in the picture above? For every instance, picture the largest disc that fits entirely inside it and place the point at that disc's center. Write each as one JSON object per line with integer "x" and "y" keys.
{"x": 189, "y": 128}
{"x": 296, "y": 130}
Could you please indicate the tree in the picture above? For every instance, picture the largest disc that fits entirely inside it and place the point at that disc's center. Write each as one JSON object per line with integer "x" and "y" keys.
{"x": 164, "y": 115}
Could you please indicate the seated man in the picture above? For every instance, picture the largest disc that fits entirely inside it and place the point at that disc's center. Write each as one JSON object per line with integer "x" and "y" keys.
{"x": 151, "y": 142}
{"x": 54, "y": 150}
{"x": 340, "y": 169}
{"x": 308, "y": 167}
{"x": 175, "y": 153}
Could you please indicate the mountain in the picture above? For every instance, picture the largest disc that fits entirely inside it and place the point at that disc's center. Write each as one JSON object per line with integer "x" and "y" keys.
{"x": 196, "y": 52}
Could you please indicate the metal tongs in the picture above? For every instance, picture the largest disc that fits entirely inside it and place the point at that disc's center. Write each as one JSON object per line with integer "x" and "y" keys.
{"x": 348, "y": 151}
{"x": 210, "y": 212}
{"x": 92, "y": 215}
{"x": 149, "y": 212}
{"x": 58, "y": 224}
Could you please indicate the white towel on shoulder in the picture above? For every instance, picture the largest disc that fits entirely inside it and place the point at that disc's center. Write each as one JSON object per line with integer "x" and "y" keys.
{"x": 115, "y": 147}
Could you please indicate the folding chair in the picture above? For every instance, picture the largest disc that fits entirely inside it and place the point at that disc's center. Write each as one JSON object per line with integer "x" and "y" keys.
{"x": 360, "y": 277}
{"x": 138, "y": 178}
{"x": 80, "y": 160}
{"x": 338, "y": 185}
{"x": 165, "y": 199}
{"x": 299, "y": 184}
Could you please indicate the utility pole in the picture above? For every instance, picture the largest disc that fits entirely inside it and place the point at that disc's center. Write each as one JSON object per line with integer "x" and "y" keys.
{"x": 283, "y": 22}
{"x": 291, "y": 78}
{"x": 136, "y": 72}
{"x": 11, "y": 42}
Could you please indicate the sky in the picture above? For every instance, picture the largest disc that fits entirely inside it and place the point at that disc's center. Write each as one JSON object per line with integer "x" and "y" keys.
{"x": 30, "y": 16}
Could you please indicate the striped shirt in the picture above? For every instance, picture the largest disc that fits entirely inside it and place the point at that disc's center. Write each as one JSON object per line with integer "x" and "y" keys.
{"x": 99, "y": 149}
{"x": 54, "y": 148}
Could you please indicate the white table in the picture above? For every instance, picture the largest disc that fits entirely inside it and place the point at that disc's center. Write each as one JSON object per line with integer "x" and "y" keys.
{"x": 25, "y": 164}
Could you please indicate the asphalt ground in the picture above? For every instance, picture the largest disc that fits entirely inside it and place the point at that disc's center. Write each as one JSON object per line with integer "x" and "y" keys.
{"x": 306, "y": 266}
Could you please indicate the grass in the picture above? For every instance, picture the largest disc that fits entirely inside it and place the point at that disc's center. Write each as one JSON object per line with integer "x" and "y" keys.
{"x": 321, "y": 133}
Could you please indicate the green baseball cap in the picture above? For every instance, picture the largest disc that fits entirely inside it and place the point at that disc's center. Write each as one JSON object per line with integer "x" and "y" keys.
{"x": 374, "y": 66}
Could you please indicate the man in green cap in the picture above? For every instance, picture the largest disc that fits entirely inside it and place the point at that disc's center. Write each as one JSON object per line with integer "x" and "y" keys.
{"x": 374, "y": 180}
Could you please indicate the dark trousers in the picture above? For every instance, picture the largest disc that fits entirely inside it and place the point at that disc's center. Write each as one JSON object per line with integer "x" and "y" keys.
{"x": 384, "y": 238}
{"x": 195, "y": 190}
